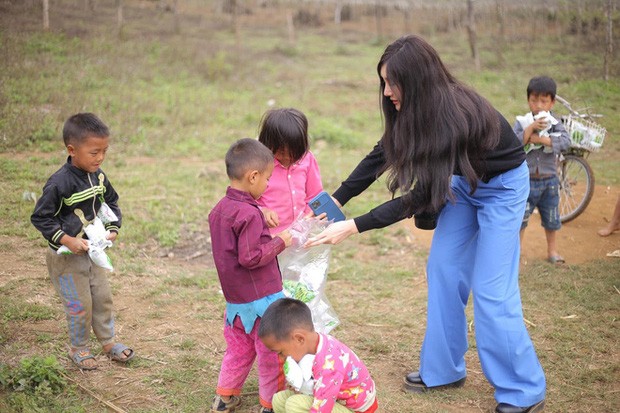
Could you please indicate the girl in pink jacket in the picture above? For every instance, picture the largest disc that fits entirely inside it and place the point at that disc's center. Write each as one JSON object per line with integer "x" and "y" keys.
{"x": 296, "y": 178}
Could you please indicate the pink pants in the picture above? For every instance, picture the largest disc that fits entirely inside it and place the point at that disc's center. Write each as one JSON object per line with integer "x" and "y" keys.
{"x": 241, "y": 350}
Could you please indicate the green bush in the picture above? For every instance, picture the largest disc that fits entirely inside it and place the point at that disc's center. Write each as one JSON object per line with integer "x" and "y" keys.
{"x": 34, "y": 374}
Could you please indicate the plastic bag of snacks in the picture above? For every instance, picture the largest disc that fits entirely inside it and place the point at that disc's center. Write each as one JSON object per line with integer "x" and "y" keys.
{"x": 105, "y": 214}
{"x": 304, "y": 272}
{"x": 299, "y": 375}
{"x": 527, "y": 119}
{"x": 97, "y": 242}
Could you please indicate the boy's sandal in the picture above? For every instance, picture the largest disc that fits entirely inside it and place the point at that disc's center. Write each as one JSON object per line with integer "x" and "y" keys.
{"x": 117, "y": 353}
{"x": 80, "y": 356}
{"x": 556, "y": 259}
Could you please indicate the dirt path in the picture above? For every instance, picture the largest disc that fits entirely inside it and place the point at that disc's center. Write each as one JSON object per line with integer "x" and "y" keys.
{"x": 578, "y": 241}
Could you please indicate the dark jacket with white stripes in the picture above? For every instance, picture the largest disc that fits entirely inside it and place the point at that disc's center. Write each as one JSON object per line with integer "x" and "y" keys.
{"x": 71, "y": 198}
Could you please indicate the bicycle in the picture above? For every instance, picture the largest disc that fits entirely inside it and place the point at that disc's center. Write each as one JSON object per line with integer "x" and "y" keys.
{"x": 574, "y": 172}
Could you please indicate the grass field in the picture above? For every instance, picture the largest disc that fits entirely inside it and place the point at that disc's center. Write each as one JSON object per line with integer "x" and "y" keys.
{"x": 174, "y": 103}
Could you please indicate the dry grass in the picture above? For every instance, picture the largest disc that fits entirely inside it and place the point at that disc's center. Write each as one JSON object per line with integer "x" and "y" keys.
{"x": 176, "y": 101}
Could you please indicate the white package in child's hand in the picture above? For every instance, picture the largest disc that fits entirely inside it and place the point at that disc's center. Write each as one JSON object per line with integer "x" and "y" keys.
{"x": 97, "y": 234}
{"x": 96, "y": 254}
{"x": 99, "y": 257}
{"x": 551, "y": 121}
{"x": 105, "y": 214}
{"x": 97, "y": 242}
{"x": 299, "y": 375}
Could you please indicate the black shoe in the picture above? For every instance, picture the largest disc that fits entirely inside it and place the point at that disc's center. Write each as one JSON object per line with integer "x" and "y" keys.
{"x": 509, "y": 408}
{"x": 414, "y": 384}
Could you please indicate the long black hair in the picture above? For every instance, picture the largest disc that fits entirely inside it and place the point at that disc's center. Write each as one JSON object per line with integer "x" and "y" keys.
{"x": 442, "y": 126}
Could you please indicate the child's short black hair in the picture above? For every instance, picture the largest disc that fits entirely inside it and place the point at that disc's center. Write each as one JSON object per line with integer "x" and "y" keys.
{"x": 247, "y": 154}
{"x": 542, "y": 85}
{"x": 283, "y": 316}
{"x": 81, "y": 126}
{"x": 285, "y": 129}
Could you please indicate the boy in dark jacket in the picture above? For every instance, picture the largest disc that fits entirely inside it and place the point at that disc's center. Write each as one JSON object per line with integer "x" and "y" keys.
{"x": 71, "y": 200}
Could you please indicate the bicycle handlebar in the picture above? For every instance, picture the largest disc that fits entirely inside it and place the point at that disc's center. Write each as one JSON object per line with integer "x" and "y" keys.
{"x": 574, "y": 112}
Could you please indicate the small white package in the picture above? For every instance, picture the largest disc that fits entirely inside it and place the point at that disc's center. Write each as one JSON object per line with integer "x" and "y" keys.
{"x": 299, "y": 375}
{"x": 527, "y": 119}
{"x": 105, "y": 214}
{"x": 97, "y": 242}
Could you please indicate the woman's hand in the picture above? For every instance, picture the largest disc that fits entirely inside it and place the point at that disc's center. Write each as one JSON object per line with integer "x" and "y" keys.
{"x": 334, "y": 234}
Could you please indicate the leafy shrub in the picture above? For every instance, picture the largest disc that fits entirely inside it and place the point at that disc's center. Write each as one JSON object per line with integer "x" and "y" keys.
{"x": 34, "y": 374}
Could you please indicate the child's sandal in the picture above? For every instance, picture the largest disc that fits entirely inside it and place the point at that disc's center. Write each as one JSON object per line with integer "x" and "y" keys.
{"x": 81, "y": 355}
{"x": 117, "y": 353}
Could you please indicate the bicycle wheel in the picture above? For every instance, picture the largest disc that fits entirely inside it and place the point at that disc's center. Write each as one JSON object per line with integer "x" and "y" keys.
{"x": 576, "y": 186}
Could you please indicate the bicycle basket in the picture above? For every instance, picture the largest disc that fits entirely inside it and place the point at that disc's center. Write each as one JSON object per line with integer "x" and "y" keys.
{"x": 584, "y": 133}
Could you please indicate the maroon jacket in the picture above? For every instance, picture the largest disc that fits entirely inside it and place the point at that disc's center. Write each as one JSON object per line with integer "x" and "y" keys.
{"x": 243, "y": 249}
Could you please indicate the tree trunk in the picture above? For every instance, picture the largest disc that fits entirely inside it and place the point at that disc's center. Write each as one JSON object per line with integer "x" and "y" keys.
{"x": 407, "y": 19}
{"x": 378, "y": 12}
{"x": 610, "y": 46}
{"x": 501, "y": 35}
{"x": 578, "y": 22}
{"x": 338, "y": 13}
{"x": 338, "y": 21}
{"x": 471, "y": 31}
{"x": 119, "y": 17}
{"x": 46, "y": 14}
{"x": 89, "y": 5}
{"x": 177, "y": 23}
{"x": 290, "y": 25}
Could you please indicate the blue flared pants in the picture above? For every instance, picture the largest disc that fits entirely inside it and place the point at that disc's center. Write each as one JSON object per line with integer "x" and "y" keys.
{"x": 475, "y": 249}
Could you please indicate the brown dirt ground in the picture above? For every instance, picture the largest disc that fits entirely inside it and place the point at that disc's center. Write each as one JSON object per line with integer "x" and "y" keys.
{"x": 577, "y": 241}
{"x": 169, "y": 325}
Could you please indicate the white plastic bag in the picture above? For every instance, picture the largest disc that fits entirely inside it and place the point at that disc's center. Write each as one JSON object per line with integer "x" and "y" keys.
{"x": 97, "y": 242}
{"x": 299, "y": 375}
{"x": 304, "y": 272}
{"x": 527, "y": 119}
{"x": 105, "y": 214}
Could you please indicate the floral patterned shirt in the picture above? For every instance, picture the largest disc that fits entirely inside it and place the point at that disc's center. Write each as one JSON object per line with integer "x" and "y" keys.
{"x": 340, "y": 377}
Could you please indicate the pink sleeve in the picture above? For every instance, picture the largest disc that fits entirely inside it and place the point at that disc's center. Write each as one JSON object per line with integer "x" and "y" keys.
{"x": 325, "y": 396}
{"x": 313, "y": 179}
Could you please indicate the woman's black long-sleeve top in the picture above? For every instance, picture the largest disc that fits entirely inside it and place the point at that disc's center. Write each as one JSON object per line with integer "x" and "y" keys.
{"x": 507, "y": 155}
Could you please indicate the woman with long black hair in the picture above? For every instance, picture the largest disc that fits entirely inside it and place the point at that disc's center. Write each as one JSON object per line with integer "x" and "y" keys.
{"x": 453, "y": 161}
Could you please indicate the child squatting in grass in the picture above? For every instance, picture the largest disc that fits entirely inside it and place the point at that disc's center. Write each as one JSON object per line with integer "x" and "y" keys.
{"x": 341, "y": 381}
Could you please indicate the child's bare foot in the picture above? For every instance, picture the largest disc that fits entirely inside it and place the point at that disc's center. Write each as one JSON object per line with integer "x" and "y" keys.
{"x": 118, "y": 352}
{"x": 609, "y": 229}
{"x": 83, "y": 358}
